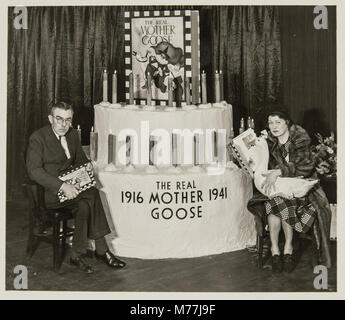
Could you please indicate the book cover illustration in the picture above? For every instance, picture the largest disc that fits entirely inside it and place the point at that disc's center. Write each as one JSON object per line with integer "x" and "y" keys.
{"x": 242, "y": 147}
{"x": 158, "y": 43}
{"x": 81, "y": 176}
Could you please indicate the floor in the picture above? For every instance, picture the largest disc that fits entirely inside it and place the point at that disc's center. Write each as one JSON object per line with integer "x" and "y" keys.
{"x": 228, "y": 272}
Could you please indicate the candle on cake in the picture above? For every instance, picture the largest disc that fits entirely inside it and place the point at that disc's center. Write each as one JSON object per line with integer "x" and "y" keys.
{"x": 215, "y": 143}
{"x": 93, "y": 145}
{"x": 221, "y": 85}
{"x": 114, "y": 87}
{"x": 131, "y": 95}
{"x": 129, "y": 150}
{"x": 241, "y": 126}
{"x": 170, "y": 91}
{"x": 217, "y": 86}
{"x": 198, "y": 149}
{"x": 221, "y": 147}
{"x": 105, "y": 86}
{"x": 187, "y": 91}
{"x": 111, "y": 148}
{"x": 152, "y": 150}
{"x": 79, "y": 133}
{"x": 232, "y": 133}
{"x": 149, "y": 92}
{"x": 249, "y": 123}
{"x": 203, "y": 87}
{"x": 176, "y": 145}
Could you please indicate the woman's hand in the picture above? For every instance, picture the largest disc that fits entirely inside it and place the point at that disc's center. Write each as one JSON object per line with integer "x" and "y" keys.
{"x": 89, "y": 166}
{"x": 251, "y": 163}
{"x": 282, "y": 195}
{"x": 271, "y": 177}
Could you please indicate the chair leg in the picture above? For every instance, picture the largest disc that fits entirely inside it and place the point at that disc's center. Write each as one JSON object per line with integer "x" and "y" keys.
{"x": 56, "y": 245}
{"x": 316, "y": 245}
{"x": 260, "y": 249}
{"x": 63, "y": 240}
{"x": 30, "y": 243}
{"x": 33, "y": 241}
{"x": 32, "y": 246}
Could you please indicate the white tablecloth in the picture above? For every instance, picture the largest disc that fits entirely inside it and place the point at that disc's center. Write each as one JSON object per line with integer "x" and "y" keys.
{"x": 223, "y": 223}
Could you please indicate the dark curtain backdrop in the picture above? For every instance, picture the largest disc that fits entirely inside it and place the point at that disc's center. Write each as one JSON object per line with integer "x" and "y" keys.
{"x": 64, "y": 50}
{"x": 309, "y": 68}
{"x": 246, "y": 46}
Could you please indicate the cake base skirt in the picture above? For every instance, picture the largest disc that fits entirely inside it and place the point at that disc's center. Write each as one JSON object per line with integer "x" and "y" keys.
{"x": 177, "y": 216}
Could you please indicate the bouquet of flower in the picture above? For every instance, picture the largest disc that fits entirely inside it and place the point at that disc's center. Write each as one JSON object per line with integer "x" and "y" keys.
{"x": 325, "y": 155}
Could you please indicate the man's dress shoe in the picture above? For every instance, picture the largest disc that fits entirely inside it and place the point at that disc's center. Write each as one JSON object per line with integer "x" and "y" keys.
{"x": 110, "y": 260}
{"x": 81, "y": 264}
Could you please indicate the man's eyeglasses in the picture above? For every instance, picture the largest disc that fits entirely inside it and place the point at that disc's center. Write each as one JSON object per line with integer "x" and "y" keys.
{"x": 60, "y": 120}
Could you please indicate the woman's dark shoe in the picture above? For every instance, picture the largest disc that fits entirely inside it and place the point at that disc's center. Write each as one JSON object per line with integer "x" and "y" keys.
{"x": 277, "y": 266}
{"x": 288, "y": 263}
{"x": 110, "y": 260}
{"x": 81, "y": 264}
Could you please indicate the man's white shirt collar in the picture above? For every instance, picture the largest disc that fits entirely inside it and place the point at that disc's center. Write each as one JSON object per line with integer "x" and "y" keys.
{"x": 57, "y": 136}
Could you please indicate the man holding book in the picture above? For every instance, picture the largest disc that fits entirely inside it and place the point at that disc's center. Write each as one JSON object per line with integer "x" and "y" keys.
{"x": 53, "y": 150}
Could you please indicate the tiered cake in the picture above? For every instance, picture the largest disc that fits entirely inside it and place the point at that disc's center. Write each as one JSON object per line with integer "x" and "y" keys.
{"x": 164, "y": 174}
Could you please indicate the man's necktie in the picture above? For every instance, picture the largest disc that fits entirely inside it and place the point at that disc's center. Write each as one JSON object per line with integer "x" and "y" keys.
{"x": 64, "y": 145}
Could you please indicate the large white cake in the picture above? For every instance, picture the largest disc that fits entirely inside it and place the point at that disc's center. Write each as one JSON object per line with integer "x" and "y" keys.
{"x": 164, "y": 175}
{"x": 165, "y": 211}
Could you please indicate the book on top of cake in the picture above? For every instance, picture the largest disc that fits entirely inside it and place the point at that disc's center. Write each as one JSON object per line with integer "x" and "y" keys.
{"x": 162, "y": 44}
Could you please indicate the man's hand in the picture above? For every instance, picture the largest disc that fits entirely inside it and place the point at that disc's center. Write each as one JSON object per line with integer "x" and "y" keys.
{"x": 283, "y": 195}
{"x": 271, "y": 177}
{"x": 69, "y": 190}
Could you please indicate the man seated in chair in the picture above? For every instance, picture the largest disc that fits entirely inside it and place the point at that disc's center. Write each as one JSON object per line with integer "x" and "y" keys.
{"x": 52, "y": 150}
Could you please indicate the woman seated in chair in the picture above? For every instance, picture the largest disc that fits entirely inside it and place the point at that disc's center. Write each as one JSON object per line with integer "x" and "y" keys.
{"x": 290, "y": 156}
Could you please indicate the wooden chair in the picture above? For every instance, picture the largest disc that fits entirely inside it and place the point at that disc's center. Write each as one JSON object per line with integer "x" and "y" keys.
{"x": 42, "y": 219}
{"x": 263, "y": 236}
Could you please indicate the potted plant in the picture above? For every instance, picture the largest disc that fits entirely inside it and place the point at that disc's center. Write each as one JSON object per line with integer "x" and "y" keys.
{"x": 325, "y": 156}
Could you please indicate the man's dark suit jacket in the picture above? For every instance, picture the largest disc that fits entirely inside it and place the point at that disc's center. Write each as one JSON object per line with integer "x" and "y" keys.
{"x": 46, "y": 159}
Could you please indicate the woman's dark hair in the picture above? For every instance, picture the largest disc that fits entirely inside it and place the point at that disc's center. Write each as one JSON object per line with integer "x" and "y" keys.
{"x": 280, "y": 111}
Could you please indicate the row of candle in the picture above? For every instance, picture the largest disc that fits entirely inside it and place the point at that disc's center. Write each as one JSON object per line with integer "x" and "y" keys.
{"x": 94, "y": 137}
{"x": 114, "y": 87}
{"x": 250, "y": 124}
{"x": 216, "y": 141}
{"x": 218, "y": 87}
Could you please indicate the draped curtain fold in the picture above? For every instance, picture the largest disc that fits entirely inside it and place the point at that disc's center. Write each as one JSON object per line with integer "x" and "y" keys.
{"x": 246, "y": 47}
{"x": 62, "y": 54}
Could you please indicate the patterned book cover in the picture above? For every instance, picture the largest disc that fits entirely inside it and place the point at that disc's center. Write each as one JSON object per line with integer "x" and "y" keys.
{"x": 241, "y": 147}
{"x": 82, "y": 176}
{"x": 164, "y": 44}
